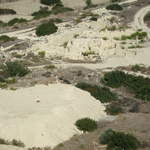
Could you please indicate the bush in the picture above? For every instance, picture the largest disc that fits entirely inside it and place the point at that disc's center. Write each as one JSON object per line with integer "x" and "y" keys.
{"x": 136, "y": 35}
{"x": 86, "y": 124}
{"x": 119, "y": 140}
{"x": 60, "y": 9}
{"x": 50, "y": 2}
{"x": 14, "y": 68}
{"x": 18, "y": 143}
{"x": 137, "y": 68}
{"x": 16, "y": 20}
{"x": 116, "y": 7}
{"x": 136, "y": 84}
{"x": 101, "y": 93}
{"x": 7, "y": 11}
{"x": 42, "y": 54}
{"x": 114, "y": 79}
{"x": 46, "y": 29}
{"x": 147, "y": 17}
{"x": 41, "y": 13}
{"x": 2, "y": 24}
{"x": 13, "y": 142}
{"x": 113, "y": 109}
{"x": 5, "y": 38}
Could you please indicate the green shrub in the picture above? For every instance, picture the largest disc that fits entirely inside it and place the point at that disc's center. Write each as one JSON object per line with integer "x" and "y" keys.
{"x": 46, "y": 29}
{"x": 119, "y": 140}
{"x": 137, "y": 68}
{"x": 16, "y": 20}
{"x": 2, "y": 24}
{"x": 136, "y": 35}
{"x": 101, "y": 93}
{"x": 50, "y": 2}
{"x": 60, "y": 9}
{"x": 86, "y": 124}
{"x": 18, "y": 143}
{"x": 42, "y": 54}
{"x": 114, "y": 79}
{"x": 147, "y": 17}
{"x": 14, "y": 68}
{"x": 5, "y": 38}
{"x": 93, "y": 18}
{"x": 113, "y": 109}
{"x": 41, "y": 14}
{"x": 89, "y": 4}
{"x": 5, "y": 11}
{"x": 136, "y": 84}
{"x": 116, "y": 7}
{"x": 115, "y": 1}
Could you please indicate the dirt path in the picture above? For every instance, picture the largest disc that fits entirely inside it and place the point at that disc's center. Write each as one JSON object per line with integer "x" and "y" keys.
{"x": 139, "y": 20}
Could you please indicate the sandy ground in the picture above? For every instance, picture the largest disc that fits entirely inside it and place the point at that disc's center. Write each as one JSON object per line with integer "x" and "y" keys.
{"x": 25, "y": 8}
{"x": 8, "y": 147}
{"x": 48, "y": 113}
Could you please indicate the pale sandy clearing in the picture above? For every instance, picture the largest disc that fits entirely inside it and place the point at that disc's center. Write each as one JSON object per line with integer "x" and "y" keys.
{"x": 50, "y": 121}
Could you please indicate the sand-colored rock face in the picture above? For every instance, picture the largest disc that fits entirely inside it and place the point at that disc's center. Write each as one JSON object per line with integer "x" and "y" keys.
{"x": 45, "y": 115}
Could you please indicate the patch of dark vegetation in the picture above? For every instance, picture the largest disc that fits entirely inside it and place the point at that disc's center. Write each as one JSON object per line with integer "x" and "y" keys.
{"x": 13, "y": 69}
{"x": 14, "y": 142}
{"x": 113, "y": 109}
{"x": 119, "y": 140}
{"x": 115, "y": 7}
{"x": 5, "y": 38}
{"x": 50, "y": 2}
{"x": 93, "y": 18}
{"x": 40, "y": 148}
{"x": 139, "y": 35}
{"x": 41, "y": 13}
{"x": 136, "y": 84}
{"x": 46, "y": 29}
{"x": 147, "y": 17}
{"x": 3, "y": 24}
{"x": 89, "y": 4}
{"x": 86, "y": 124}
{"x": 16, "y": 21}
{"x": 60, "y": 9}
{"x": 103, "y": 94}
{"x": 137, "y": 68}
{"x": 115, "y": 1}
{"x": 5, "y": 11}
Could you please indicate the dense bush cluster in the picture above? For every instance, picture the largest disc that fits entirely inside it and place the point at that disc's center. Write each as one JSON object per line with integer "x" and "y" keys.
{"x": 116, "y": 7}
{"x": 14, "y": 68}
{"x": 119, "y": 140}
{"x": 101, "y": 93}
{"x": 46, "y": 29}
{"x": 7, "y": 11}
{"x": 137, "y": 84}
{"x": 86, "y": 124}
